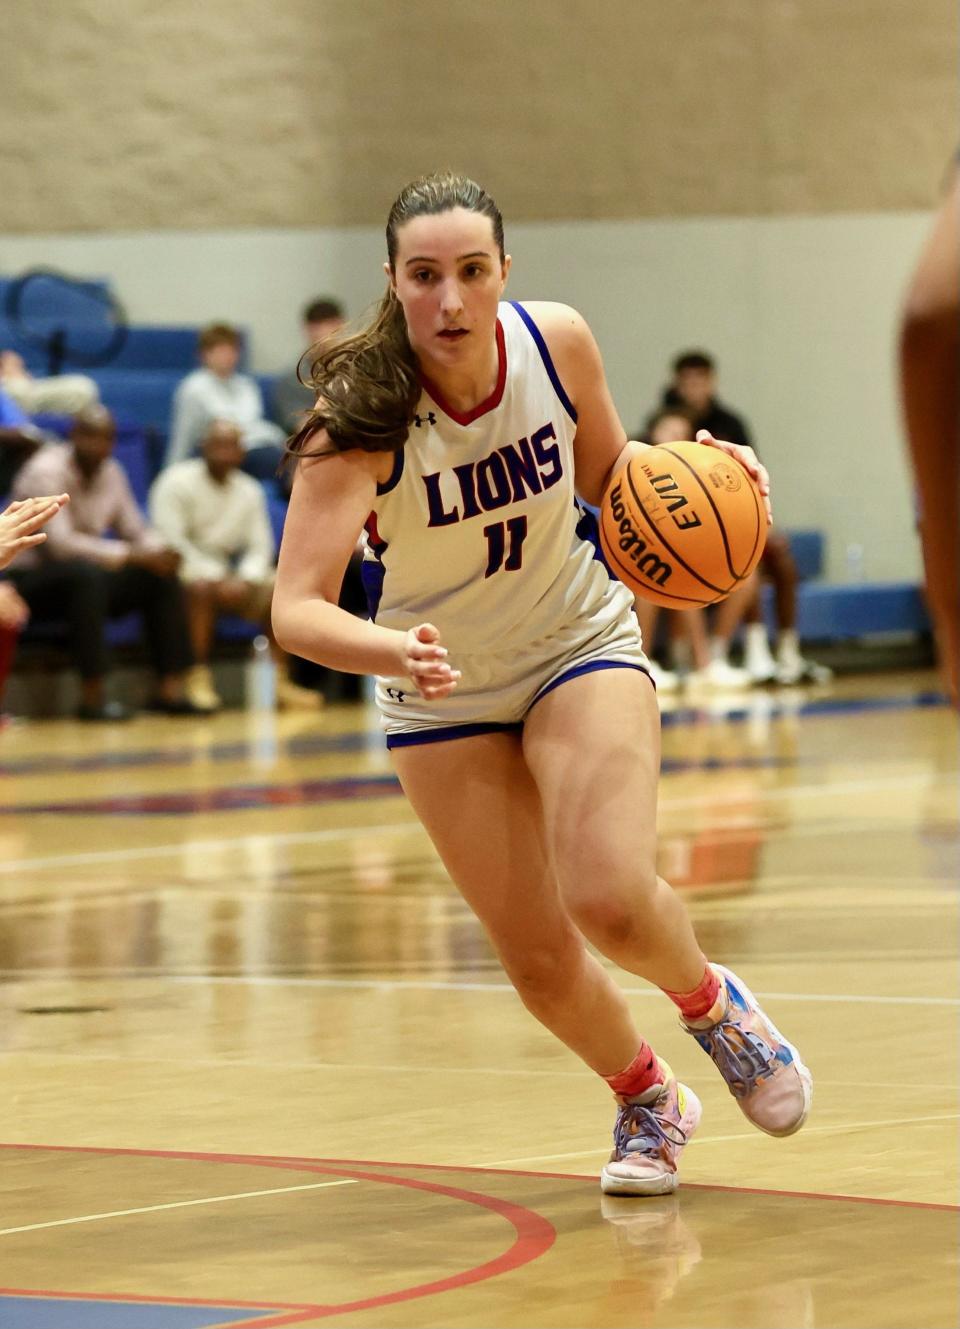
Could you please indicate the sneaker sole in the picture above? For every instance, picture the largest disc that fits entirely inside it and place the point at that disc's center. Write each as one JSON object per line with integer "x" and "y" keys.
{"x": 613, "y": 1185}
{"x": 806, "y": 1079}
{"x": 667, "y": 1182}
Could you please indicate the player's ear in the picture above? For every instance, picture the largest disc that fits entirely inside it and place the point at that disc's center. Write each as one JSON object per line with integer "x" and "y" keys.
{"x": 390, "y": 277}
{"x": 505, "y": 271}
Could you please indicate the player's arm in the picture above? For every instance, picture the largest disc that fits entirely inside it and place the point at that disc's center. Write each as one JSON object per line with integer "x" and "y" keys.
{"x": 332, "y": 497}
{"x": 600, "y": 445}
{"x": 930, "y": 395}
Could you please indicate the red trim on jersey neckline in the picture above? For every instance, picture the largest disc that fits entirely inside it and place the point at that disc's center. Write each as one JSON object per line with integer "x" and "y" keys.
{"x": 490, "y": 404}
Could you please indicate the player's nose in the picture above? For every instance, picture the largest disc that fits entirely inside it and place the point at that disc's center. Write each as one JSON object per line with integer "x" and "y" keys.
{"x": 451, "y": 298}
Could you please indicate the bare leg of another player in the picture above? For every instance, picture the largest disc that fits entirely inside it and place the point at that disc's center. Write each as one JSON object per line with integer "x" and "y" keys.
{"x": 930, "y": 390}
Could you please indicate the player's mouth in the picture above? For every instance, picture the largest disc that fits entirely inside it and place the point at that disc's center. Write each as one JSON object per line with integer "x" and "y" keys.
{"x": 452, "y": 334}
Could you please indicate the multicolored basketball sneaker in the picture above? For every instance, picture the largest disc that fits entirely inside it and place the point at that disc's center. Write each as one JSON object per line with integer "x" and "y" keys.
{"x": 648, "y": 1138}
{"x": 762, "y": 1070}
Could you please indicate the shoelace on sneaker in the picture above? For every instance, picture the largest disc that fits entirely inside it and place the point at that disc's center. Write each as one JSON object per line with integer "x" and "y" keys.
{"x": 740, "y": 1055}
{"x": 652, "y": 1131}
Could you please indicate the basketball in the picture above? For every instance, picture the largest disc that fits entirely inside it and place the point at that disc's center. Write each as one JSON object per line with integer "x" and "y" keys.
{"x": 682, "y": 525}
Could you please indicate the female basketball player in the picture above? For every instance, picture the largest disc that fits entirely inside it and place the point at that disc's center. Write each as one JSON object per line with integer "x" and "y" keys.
{"x": 510, "y": 674}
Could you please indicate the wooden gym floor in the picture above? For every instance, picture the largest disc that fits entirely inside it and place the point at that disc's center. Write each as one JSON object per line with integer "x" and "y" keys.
{"x": 260, "y": 1067}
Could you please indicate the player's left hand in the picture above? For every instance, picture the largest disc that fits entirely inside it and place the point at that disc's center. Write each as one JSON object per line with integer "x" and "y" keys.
{"x": 748, "y": 460}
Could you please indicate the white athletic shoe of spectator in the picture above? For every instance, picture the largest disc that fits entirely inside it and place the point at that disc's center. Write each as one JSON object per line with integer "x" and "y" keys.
{"x": 793, "y": 668}
{"x": 719, "y": 676}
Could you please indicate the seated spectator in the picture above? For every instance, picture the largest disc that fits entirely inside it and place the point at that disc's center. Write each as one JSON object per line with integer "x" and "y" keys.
{"x": 290, "y": 399}
{"x": 20, "y": 529}
{"x": 19, "y": 439}
{"x": 217, "y": 391}
{"x": 694, "y": 389}
{"x": 689, "y": 639}
{"x": 217, "y": 521}
{"x": 62, "y": 394}
{"x": 83, "y": 577}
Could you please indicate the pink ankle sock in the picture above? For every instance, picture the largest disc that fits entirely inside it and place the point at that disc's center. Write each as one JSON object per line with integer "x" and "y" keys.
{"x": 698, "y": 1003}
{"x": 642, "y": 1074}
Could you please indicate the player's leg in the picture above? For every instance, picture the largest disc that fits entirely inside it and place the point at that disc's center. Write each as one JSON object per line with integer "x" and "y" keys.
{"x": 930, "y": 394}
{"x": 481, "y": 809}
{"x": 593, "y": 748}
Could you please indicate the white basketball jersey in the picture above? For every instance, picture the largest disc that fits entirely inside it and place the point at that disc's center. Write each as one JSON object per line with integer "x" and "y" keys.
{"x": 476, "y": 530}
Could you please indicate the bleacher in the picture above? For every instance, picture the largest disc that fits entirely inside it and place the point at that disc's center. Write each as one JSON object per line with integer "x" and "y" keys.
{"x": 149, "y": 361}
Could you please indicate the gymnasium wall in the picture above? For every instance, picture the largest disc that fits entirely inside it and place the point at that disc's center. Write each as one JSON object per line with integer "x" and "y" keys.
{"x": 754, "y": 176}
{"x": 132, "y": 114}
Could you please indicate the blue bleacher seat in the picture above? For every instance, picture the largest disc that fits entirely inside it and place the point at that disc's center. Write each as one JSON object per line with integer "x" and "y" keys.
{"x": 832, "y": 613}
{"x": 807, "y": 550}
{"x": 143, "y": 397}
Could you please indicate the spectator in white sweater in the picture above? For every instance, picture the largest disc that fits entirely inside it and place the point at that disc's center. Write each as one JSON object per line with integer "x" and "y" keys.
{"x": 217, "y": 391}
{"x": 216, "y": 519}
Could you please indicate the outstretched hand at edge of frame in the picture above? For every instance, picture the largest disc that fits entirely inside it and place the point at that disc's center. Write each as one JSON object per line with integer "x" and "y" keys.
{"x": 21, "y": 522}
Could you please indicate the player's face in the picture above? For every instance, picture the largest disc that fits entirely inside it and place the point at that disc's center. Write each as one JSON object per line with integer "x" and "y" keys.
{"x": 449, "y": 278}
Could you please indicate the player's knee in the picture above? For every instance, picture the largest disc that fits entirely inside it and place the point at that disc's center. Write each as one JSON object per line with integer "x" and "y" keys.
{"x": 612, "y": 920}
{"x": 541, "y": 970}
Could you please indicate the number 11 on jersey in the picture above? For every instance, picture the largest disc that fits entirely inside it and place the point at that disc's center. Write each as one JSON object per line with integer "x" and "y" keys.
{"x": 498, "y": 544}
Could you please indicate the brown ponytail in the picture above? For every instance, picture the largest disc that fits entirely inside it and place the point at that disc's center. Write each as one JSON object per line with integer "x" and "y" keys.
{"x": 367, "y": 382}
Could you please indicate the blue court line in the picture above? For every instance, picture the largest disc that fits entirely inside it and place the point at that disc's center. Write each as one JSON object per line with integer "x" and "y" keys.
{"x": 372, "y": 740}
{"x": 233, "y": 798}
{"x": 45, "y": 1312}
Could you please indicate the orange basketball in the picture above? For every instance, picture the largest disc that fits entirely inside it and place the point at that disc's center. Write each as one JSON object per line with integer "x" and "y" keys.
{"x": 682, "y": 524}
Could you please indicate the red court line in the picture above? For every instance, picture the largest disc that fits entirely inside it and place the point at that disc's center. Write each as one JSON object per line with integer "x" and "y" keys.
{"x": 534, "y": 1234}
{"x": 279, "y": 1160}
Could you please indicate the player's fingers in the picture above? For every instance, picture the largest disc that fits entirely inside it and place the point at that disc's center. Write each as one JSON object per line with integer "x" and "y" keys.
{"x": 748, "y": 459}
{"x": 30, "y": 518}
{"x": 426, "y": 632}
{"x": 418, "y": 651}
{"x": 436, "y": 692}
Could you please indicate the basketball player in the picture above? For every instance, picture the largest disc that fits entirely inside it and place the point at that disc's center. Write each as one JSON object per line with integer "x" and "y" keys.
{"x": 930, "y": 393}
{"x": 510, "y": 675}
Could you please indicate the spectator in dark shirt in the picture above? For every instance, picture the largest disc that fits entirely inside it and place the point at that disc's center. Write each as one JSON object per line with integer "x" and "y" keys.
{"x": 101, "y": 560}
{"x": 290, "y": 400}
{"x": 694, "y": 389}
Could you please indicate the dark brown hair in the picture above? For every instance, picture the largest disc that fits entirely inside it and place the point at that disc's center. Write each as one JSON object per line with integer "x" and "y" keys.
{"x": 366, "y": 381}
{"x": 693, "y": 360}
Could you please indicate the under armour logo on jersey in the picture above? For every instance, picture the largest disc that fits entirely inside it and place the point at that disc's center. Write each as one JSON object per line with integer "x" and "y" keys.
{"x": 428, "y": 419}
{"x": 396, "y": 695}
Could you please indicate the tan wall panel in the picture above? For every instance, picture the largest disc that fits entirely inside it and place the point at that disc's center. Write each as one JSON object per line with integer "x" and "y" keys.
{"x": 313, "y": 112}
